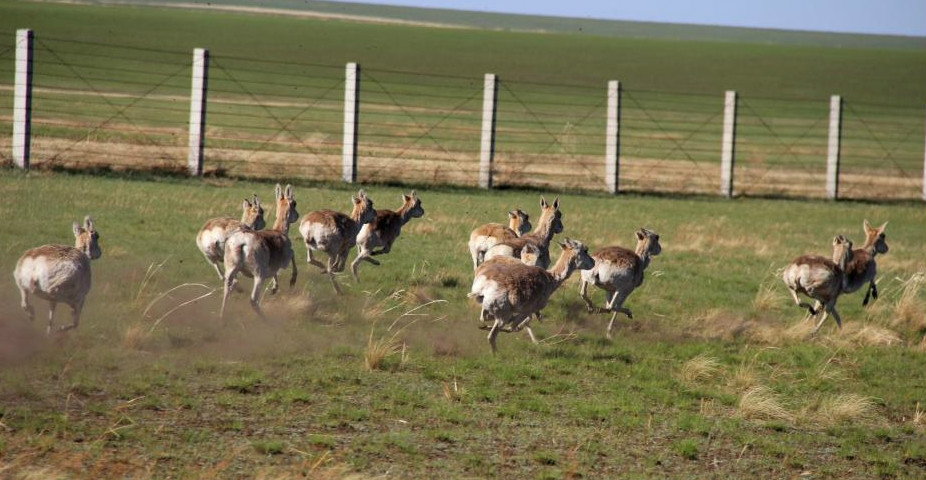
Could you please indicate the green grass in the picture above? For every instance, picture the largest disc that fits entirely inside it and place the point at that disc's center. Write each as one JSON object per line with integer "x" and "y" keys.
{"x": 194, "y": 397}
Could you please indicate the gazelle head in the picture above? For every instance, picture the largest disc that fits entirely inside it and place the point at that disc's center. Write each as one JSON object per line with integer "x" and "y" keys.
{"x": 519, "y": 221}
{"x": 412, "y": 205}
{"x": 363, "y": 211}
{"x": 577, "y": 253}
{"x": 252, "y": 214}
{"x": 550, "y": 213}
{"x": 286, "y": 205}
{"x": 874, "y": 237}
{"x": 648, "y": 243}
{"x": 87, "y": 239}
{"x": 842, "y": 250}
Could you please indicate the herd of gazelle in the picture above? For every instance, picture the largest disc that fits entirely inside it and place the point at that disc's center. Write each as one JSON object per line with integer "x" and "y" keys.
{"x": 513, "y": 277}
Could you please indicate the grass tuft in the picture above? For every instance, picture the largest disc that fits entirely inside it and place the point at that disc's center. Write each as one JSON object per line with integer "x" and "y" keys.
{"x": 760, "y": 402}
{"x": 699, "y": 368}
{"x": 769, "y": 295}
{"x": 846, "y": 408}
{"x": 910, "y": 309}
{"x": 871, "y": 335}
{"x": 379, "y": 350}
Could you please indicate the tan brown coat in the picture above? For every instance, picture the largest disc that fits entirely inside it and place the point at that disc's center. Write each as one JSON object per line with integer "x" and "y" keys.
{"x": 511, "y": 292}
{"x": 862, "y": 268}
{"x": 486, "y": 236}
{"x": 821, "y": 279}
{"x": 335, "y": 234}
{"x": 59, "y": 274}
{"x": 618, "y": 271}
{"x": 261, "y": 254}
{"x": 549, "y": 224}
{"x": 383, "y": 231}
{"x": 211, "y": 238}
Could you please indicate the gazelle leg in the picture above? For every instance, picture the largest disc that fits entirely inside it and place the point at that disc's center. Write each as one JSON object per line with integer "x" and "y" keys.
{"x": 255, "y": 295}
{"x": 311, "y": 260}
{"x": 25, "y": 304}
{"x": 75, "y": 317}
{"x": 583, "y": 291}
{"x": 334, "y": 281}
{"x": 51, "y": 316}
{"x": 493, "y": 333}
{"x": 799, "y": 303}
{"x": 610, "y": 325}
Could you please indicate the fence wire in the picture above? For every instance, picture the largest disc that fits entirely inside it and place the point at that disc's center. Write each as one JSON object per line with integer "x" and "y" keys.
{"x": 102, "y": 105}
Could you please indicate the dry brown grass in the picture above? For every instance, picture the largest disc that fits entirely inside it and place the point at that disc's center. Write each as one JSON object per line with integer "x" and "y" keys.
{"x": 770, "y": 294}
{"x": 761, "y": 403}
{"x": 846, "y": 408}
{"x": 909, "y": 312}
{"x": 452, "y": 391}
{"x": 700, "y": 368}
{"x": 135, "y": 336}
{"x": 872, "y": 335}
{"x": 379, "y": 350}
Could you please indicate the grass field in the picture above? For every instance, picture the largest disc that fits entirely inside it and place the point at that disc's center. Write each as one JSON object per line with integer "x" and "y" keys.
{"x": 276, "y": 101}
{"x": 716, "y": 375}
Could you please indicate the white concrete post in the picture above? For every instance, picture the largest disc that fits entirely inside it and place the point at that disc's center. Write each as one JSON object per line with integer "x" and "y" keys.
{"x": 612, "y": 138}
{"x": 199, "y": 85}
{"x": 351, "y": 109}
{"x": 487, "y": 150}
{"x": 22, "y": 99}
{"x": 727, "y": 146}
{"x": 832, "y": 151}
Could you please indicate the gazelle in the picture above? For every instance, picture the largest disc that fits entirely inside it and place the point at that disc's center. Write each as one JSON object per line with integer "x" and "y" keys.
{"x": 261, "y": 254}
{"x": 821, "y": 279}
{"x": 384, "y": 230}
{"x": 335, "y": 234}
{"x": 59, "y": 273}
{"x": 529, "y": 256}
{"x": 211, "y": 238}
{"x": 484, "y": 237}
{"x": 862, "y": 268}
{"x": 511, "y": 292}
{"x": 549, "y": 224}
{"x": 618, "y": 271}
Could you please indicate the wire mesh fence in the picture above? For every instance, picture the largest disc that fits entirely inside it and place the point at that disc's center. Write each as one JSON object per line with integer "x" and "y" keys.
{"x": 116, "y": 106}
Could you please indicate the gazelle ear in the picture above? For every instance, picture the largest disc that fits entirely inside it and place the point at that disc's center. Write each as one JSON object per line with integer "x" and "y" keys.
{"x": 246, "y": 205}
{"x": 543, "y": 202}
{"x": 413, "y": 194}
{"x": 289, "y": 192}
{"x": 881, "y": 228}
{"x": 556, "y": 203}
{"x": 641, "y": 234}
{"x": 407, "y": 198}
{"x": 76, "y": 227}
{"x": 88, "y": 223}
{"x": 256, "y": 200}
{"x": 278, "y": 192}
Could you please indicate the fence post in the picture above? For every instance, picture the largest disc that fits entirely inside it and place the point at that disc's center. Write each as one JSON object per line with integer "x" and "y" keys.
{"x": 487, "y": 150}
{"x": 351, "y": 109}
{"x": 22, "y": 99}
{"x": 199, "y": 85}
{"x": 832, "y": 151}
{"x": 613, "y": 138}
{"x": 727, "y": 151}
